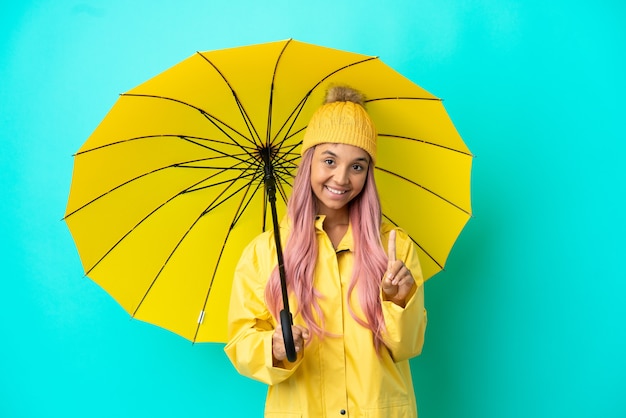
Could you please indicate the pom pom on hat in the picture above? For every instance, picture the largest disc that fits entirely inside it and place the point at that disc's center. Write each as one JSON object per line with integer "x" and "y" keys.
{"x": 342, "y": 120}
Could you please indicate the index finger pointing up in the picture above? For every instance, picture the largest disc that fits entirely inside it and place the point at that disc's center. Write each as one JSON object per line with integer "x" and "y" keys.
{"x": 391, "y": 249}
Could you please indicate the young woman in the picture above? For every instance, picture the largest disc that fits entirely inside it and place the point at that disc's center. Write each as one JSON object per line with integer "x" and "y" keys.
{"x": 358, "y": 311}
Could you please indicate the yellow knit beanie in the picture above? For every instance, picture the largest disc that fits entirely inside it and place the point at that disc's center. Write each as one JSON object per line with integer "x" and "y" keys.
{"x": 342, "y": 120}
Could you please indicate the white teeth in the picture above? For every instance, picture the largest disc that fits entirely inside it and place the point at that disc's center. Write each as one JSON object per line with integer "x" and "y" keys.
{"x": 334, "y": 191}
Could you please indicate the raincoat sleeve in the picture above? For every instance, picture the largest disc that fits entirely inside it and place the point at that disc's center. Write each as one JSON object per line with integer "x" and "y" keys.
{"x": 406, "y": 326}
{"x": 250, "y": 324}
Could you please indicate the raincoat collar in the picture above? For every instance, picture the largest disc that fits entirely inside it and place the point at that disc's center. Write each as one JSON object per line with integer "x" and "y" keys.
{"x": 346, "y": 243}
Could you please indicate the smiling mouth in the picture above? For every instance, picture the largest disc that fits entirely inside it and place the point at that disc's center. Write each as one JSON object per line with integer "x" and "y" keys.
{"x": 335, "y": 191}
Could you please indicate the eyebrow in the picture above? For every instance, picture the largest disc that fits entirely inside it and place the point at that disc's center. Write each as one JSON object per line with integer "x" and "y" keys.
{"x": 332, "y": 154}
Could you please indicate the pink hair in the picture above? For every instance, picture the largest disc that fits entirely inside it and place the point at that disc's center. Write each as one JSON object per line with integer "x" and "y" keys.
{"x": 300, "y": 255}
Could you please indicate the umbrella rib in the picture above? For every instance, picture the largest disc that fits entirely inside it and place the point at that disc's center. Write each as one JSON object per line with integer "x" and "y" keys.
{"x": 217, "y": 203}
{"x": 244, "y": 114}
{"x": 297, "y": 111}
{"x": 195, "y": 189}
{"x": 423, "y": 188}
{"x": 435, "y": 99}
{"x": 281, "y": 189}
{"x": 169, "y": 257}
{"x": 271, "y": 98}
{"x": 181, "y": 164}
{"x": 212, "y": 118}
{"x": 258, "y": 186}
{"x": 187, "y": 138}
{"x": 425, "y": 142}
{"x": 122, "y": 185}
{"x": 247, "y": 151}
{"x": 214, "y": 121}
{"x": 293, "y": 117}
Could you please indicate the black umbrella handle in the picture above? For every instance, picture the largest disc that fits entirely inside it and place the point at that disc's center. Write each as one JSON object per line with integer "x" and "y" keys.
{"x": 290, "y": 348}
{"x": 286, "y": 319}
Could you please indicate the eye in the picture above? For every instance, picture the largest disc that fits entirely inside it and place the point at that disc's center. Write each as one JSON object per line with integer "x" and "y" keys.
{"x": 358, "y": 167}
{"x": 329, "y": 161}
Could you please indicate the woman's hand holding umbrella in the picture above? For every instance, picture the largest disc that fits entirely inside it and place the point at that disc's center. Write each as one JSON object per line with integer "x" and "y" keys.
{"x": 300, "y": 335}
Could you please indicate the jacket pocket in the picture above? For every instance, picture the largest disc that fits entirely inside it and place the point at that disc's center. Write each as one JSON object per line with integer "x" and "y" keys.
{"x": 395, "y": 411}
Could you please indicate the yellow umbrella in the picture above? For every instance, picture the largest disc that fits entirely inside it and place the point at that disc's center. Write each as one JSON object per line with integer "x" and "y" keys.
{"x": 169, "y": 188}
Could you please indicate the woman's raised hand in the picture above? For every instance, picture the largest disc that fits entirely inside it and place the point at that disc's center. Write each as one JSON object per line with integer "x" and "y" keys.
{"x": 398, "y": 281}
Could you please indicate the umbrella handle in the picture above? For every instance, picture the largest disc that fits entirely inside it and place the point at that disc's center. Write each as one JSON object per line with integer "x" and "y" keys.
{"x": 286, "y": 322}
{"x": 286, "y": 319}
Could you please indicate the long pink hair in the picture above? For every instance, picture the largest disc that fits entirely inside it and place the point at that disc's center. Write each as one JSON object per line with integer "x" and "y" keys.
{"x": 300, "y": 256}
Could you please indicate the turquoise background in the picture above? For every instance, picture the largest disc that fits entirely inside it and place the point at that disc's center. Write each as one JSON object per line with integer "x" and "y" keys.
{"x": 526, "y": 321}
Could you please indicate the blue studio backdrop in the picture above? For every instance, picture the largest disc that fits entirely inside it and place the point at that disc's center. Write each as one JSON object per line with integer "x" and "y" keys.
{"x": 527, "y": 320}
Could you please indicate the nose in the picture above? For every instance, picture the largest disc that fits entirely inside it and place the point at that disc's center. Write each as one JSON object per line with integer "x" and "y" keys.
{"x": 342, "y": 176}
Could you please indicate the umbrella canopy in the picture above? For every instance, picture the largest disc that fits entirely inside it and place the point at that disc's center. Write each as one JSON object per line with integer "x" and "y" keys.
{"x": 169, "y": 188}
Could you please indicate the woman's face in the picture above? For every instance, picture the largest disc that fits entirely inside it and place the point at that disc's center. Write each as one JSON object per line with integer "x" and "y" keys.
{"x": 338, "y": 174}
